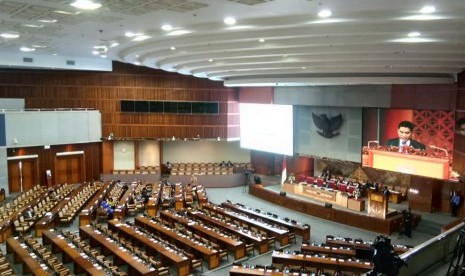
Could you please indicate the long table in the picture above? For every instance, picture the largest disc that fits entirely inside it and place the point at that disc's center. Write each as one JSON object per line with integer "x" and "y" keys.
{"x": 81, "y": 263}
{"x": 300, "y": 229}
{"x": 31, "y": 263}
{"x": 152, "y": 246}
{"x": 90, "y": 210}
{"x": 301, "y": 260}
{"x": 237, "y": 247}
{"x": 282, "y": 235}
{"x": 260, "y": 242}
{"x": 120, "y": 255}
{"x": 347, "y": 217}
{"x": 211, "y": 255}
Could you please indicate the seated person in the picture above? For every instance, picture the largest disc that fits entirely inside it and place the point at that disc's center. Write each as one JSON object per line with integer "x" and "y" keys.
{"x": 29, "y": 214}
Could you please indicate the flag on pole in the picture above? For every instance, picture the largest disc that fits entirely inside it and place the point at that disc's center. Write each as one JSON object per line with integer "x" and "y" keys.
{"x": 284, "y": 171}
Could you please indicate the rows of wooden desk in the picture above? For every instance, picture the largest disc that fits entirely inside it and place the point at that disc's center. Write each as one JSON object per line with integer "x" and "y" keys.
{"x": 90, "y": 210}
{"x": 30, "y": 262}
{"x": 238, "y": 247}
{"x": 348, "y": 242}
{"x": 300, "y": 229}
{"x": 120, "y": 255}
{"x": 152, "y": 246}
{"x": 81, "y": 262}
{"x": 321, "y": 263}
{"x": 279, "y": 233}
{"x": 260, "y": 242}
{"x": 209, "y": 254}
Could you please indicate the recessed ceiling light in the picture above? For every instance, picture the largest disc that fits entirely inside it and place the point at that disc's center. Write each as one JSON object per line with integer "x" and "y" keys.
{"x": 27, "y": 49}
{"x": 9, "y": 35}
{"x": 103, "y": 56}
{"x": 95, "y": 52}
{"x": 303, "y": 67}
{"x": 229, "y": 20}
{"x": 140, "y": 38}
{"x": 48, "y": 20}
{"x": 114, "y": 44}
{"x": 428, "y": 9}
{"x": 261, "y": 40}
{"x": 210, "y": 60}
{"x": 167, "y": 27}
{"x": 414, "y": 34}
{"x": 85, "y": 5}
{"x": 172, "y": 48}
{"x": 137, "y": 63}
{"x": 33, "y": 26}
{"x": 131, "y": 34}
{"x": 324, "y": 13}
{"x": 179, "y": 32}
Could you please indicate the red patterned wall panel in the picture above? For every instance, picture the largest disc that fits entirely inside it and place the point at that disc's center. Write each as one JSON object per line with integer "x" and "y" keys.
{"x": 435, "y": 128}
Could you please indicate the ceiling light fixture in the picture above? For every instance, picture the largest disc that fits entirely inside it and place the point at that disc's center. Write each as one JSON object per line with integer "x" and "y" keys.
{"x": 167, "y": 27}
{"x": 428, "y": 9}
{"x": 261, "y": 40}
{"x": 414, "y": 34}
{"x": 85, "y": 5}
{"x": 229, "y": 20}
{"x": 9, "y": 35}
{"x": 210, "y": 60}
{"x": 140, "y": 38}
{"x": 48, "y": 20}
{"x": 27, "y": 49}
{"x": 179, "y": 32}
{"x": 172, "y": 48}
{"x": 324, "y": 13}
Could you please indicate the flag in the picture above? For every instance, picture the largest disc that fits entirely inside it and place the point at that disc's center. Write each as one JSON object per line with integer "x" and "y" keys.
{"x": 284, "y": 171}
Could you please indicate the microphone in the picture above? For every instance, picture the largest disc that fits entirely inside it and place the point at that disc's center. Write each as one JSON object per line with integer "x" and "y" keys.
{"x": 371, "y": 142}
{"x": 441, "y": 149}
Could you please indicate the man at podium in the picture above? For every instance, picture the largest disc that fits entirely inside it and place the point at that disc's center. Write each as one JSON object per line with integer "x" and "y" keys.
{"x": 404, "y": 131}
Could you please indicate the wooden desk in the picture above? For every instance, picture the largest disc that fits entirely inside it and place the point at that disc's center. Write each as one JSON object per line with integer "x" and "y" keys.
{"x": 328, "y": 250}
{"x": 300, "y": 260}
{"x": 152, "y": 246}
{"x": 211, "y": 255}
{"x": 88, "y": 213}
{"x": 280, "y": 234}
{"x": 356, "y": 204}
{"x": 120, "y": 255}
{"x": 240, "y": 271}
{"x": 297, "y": 228}
{"x": 237, "y": 247}
{"x": 346, "y": 242}
{"x": 31, "y": 263}
{"x": 260, "y": 242}
{"x": 81, "y": 263}
{"x": 395, "y": 197}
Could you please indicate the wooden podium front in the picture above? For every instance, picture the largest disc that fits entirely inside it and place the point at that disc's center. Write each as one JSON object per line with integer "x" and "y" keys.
{"x": 377, "y": 204}
{"x": 409, "y": 163}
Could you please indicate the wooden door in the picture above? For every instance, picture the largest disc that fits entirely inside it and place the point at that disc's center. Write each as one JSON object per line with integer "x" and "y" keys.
{"x": 23, "y": 174}
{"x": 69, "y": 169}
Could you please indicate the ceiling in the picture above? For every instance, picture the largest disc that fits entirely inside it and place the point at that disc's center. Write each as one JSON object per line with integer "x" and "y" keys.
{"x": 362, "y": 42}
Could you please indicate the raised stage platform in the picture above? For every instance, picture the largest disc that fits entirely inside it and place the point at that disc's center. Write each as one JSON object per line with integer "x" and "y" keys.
{"x": 357, "y": 219}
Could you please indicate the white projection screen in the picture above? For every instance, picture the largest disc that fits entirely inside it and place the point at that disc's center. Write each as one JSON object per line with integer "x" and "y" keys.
{"x": 267, "y": 127}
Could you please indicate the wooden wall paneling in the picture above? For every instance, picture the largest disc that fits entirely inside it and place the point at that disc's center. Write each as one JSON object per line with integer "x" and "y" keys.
{"x": 424, "y": 96}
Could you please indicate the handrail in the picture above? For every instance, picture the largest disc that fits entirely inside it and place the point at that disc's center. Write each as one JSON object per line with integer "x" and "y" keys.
{"x": 48, "y": 109}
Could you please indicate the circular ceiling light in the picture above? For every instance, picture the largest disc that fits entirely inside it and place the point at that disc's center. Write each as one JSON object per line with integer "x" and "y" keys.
{"x": 428, "y": 9}
{"x": 167, "y": 27}
{"x": 324, "y": 13}
{"x": 229, "y": 20}
{"x": 414, "y": 34}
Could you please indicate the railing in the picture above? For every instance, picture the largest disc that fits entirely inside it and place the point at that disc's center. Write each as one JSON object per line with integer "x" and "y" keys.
{"x": 434, "y": 252}
{"x": 47, "y": 109}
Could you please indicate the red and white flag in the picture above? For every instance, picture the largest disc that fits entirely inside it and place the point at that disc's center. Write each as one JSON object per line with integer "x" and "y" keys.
{"x": 284, "y": 171}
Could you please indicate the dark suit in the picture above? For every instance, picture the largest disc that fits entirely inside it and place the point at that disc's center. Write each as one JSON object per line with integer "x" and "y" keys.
{"x": 414, "y": 144}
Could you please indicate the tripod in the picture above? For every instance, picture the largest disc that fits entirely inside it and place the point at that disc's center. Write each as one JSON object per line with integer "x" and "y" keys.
{"x": 458, "y": 255}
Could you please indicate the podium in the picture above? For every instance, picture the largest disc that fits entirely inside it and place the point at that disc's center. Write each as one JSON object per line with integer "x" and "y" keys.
{"x": 408, "y": 163}
{"x": 377, "y": 204}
